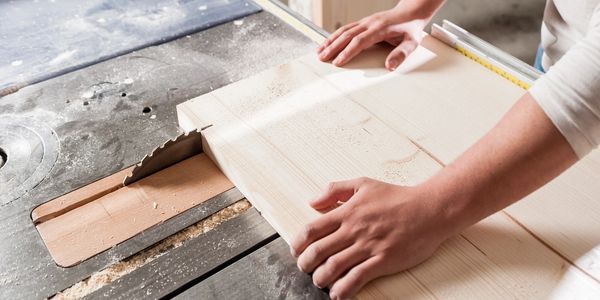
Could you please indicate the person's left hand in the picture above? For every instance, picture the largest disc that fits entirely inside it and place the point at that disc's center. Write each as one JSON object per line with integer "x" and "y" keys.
{"x": 379, "y": 229}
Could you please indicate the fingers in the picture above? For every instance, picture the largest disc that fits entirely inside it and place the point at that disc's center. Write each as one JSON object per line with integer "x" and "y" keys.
{"x": 317, "y": 252}
{"x": 340, "y": 43}
{"x": 314, "y": 231}
{"x": 328, "y": 272}
{"x": 356, "y": 45}
{"x": 340, "y": 191}
{"x": 321, "y": 47}
{"x": 399, "y": 54}
{"x": 351, "y": 283}
{"x": 394, "y": 40}
{"x": 335, "y": 35}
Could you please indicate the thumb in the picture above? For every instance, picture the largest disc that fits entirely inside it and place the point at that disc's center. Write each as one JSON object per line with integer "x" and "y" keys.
{"x": 399, "y": 54}
{"x": 340, "y": 191}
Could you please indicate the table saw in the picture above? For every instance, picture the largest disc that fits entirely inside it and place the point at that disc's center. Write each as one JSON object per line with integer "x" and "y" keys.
{"x": 100, "y": 117}
{"x": 115, "y": 201}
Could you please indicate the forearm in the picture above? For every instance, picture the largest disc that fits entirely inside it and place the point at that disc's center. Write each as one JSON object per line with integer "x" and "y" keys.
{"x": 383, "y": 228}
{"x": 520, "y": 154}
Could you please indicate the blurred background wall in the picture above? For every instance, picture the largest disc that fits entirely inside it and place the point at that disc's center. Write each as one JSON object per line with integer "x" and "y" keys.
{"x": 511, "y": 25}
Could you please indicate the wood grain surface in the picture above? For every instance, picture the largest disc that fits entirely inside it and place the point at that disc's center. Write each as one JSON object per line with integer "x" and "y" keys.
{"x": 119, "y": 215}
{"x": 79, "y": 197}
{"x": 283, "y": 134}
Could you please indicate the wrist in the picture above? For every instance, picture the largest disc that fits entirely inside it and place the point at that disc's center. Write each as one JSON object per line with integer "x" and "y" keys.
{"x": 450, "y": 199}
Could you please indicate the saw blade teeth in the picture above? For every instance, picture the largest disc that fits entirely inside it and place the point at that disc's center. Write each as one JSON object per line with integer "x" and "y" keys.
{"x": 148, "y": 158}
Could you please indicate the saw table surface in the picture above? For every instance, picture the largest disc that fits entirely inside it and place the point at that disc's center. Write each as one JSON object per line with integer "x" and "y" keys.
{"x": 106, "y": 117}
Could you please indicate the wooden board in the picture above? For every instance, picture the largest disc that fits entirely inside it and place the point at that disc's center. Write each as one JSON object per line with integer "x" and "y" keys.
{"x": 283, "y": 134}
{"x": 88, "y": 229}
{"x": 449, "y": 117}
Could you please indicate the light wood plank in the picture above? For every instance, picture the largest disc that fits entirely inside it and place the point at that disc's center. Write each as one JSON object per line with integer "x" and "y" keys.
{"x": 445, "y": 118}
{"x": 283, "y": 134}
{"x": 318, "y": 137}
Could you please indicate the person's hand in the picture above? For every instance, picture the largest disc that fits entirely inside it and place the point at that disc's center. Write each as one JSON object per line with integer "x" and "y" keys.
{"x": 397, "y": 26}
{"x": 379, "y": 229}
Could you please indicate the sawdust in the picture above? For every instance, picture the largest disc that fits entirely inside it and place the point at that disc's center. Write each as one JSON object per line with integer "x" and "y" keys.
{"x": 122, "y": 268}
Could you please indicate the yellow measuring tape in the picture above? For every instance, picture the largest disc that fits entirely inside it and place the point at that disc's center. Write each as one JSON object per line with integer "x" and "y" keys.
{"x": 484, "y": 62}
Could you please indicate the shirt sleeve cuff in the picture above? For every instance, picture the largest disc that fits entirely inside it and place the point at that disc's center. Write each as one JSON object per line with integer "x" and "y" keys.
{"x": 541, "y": 91}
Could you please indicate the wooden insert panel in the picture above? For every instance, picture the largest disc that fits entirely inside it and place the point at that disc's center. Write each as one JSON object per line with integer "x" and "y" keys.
{"x": 79, "y": 233}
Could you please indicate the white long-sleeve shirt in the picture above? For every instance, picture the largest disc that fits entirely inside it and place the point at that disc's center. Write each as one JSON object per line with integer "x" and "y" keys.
{"x": 569, "y": 93}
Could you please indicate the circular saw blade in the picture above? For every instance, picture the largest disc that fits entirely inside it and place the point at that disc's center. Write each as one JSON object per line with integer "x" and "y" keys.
{"x": 171, "y": 152}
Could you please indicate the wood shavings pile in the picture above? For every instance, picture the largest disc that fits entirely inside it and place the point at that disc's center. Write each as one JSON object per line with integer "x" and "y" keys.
{"x": 122, "y": 268}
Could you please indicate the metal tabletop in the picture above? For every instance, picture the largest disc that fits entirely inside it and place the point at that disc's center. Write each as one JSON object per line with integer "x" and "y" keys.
{"x": 106, "y": 117}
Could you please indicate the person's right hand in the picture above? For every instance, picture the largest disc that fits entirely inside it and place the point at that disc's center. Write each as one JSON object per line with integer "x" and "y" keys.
{"x": 395, "y": 26}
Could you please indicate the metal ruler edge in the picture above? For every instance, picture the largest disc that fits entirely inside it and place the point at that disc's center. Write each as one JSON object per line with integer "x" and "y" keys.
{"x": 485, "y": 54}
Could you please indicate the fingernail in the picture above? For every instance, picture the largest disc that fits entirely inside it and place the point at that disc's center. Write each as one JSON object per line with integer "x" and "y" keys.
{"x": 393, "y": 64}
{"x": 338, "y": 60}
{"x": 293, "y": 252}
{"x": 300, "y": 268}
{"x": 323, "y": 54}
